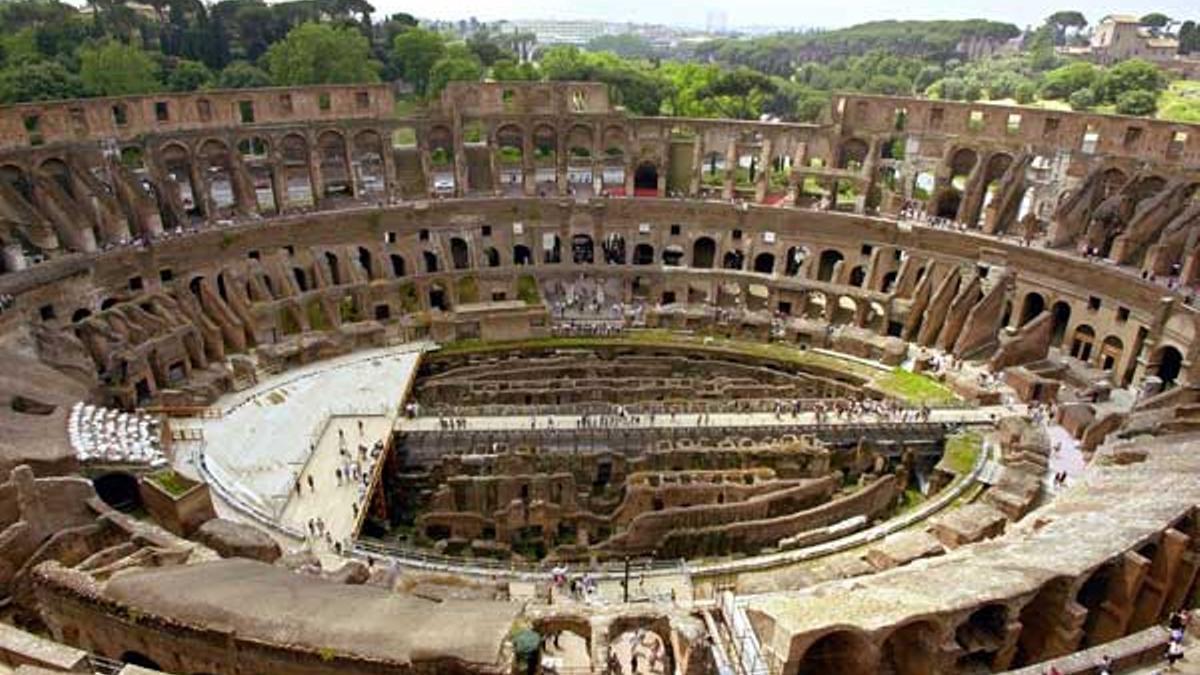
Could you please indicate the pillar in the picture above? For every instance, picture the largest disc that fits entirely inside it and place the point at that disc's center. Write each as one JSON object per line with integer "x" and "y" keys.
{"x": 762, "y": 182}
{"x": 727, "y": 190}
{"x": 697, "y": 166}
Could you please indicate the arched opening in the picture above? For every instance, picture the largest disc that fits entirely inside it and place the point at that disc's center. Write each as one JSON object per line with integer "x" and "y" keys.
{"x": 217, "y": 170}
{"x": 431, "y": 261}
{"x": 545, "y": 158}
{"x": 889, "y": 282}
{"x": 58, "y": 171}
{"x": 119, "y": 490}
{"x": 947, "y": 204}
{"x": 1033, "y": 305}
{"x": 614, "y": 249}
{"x": 297, "y": 181}
{"x": 1081, "y": 342}
{"x": 368, "y": 164}
{"x": 1038, "y": 623}
{"x": 704, "y": 252}
{"x": 643, "y": 254}
{"x": 460, "y": 255}
{"x": 510, "y": 154}
{"x": 910, "y": 650}
{"x": 551, "y": 249}
{"x": 733, "y": 260}
{"x": 764, "y": 263}
{"x": 672, "y": 255}
{"x": 829, "y": 260}
{"x": 614, "y": 158}
{"x": 1062, "y": 317}
{"x": 364, "y": 261}
{"x": 256, "y": 153}
{"x": 522, "y": 255}
{"x": 858, "y": 276}
{"x": 139, "y": 659}
{"x": 80, "y": 315}
{"x": 1170, "y": 363}
{"x": 335, "y": 274}
{"x": 1092, "y": 595}
{"x": 981, "y": 637}
{"x": 438, "y": 298}
{"x": 645, "y": 180}
{"x": 492, "y": 256}
{"x": 1111, "y": 350}
{"x": 568, "y": 639}
{"x": 579, "y": 161}
{"x": 335, "y": 174}
{"x": 178, "y": 165}
{"x": 397, "y": 261}
{"x": 301, "y": 279}
{"x": 582, "y": 250}
{"x": 852, "y": 154}
{"x": 843, "y": 652}
{"x": 796, "y": 256}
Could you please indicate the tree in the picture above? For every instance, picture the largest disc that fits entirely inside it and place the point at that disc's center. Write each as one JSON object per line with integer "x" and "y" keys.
{"x": 1061, "y": 82}
{"x": 1155, "y": 20}
{"x": 1131, "y": 75}
{"x": 1064, "y": 20}
{"x": 739, "y": 93}
{"x": 458, "y": 65}
{"x": 111, "y": 68}
{"x": 1137, "y": 102}
{"x": 486, "y": 48}
{"x": 1082, "y": 99}
{"x": 314, "y": 53}
{"x": 189, "y": 76}
{"x": 243, "y": 75}
{"x": 417, "y": 50}
{"x": 1189, "y": 37}
{"x": 1041, "y": 48}
{"x": 509, "y": 70}
{"x": 38, "y": 81}
{"x": 628, "y": 45}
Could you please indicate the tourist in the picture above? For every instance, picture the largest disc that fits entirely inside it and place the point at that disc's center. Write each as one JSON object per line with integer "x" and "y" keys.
{"x": 1105, "y": 667}
{"x": 1174, "y": 654}
{"x": 311, "y": 484}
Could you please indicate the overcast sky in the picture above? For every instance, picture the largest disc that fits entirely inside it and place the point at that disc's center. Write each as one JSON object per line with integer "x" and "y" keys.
{"x": 783, "y": 13}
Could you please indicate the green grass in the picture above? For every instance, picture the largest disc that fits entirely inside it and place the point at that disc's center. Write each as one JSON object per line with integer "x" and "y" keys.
{"x": 915, "y": 388}
{"x": 527, "y": 290}
{"x": 173, "y": 483}
{"x": 961, "y": 452}
{"x": 1180, "y": 102}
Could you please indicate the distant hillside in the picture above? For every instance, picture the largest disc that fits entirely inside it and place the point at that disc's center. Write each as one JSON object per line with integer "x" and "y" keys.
{"x": 779, "y": 54}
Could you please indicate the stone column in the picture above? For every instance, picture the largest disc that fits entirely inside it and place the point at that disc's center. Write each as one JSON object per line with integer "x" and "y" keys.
{"x": 314, "y": 173}
{"x": 244, "y": 194}
{"x": 279, "y": 180}
{"x": 762, "y": 182}
{"x": 727, "y": 191}
{"x": 351, "y": 173}
{"x": 390, "y": 190}
{"x": 697, "y": 166}
{"x": 201, "y": 186}
{"x": 528, "y": 169}
{"x": 461, "y": 176}
{"x": 562, "y": 155}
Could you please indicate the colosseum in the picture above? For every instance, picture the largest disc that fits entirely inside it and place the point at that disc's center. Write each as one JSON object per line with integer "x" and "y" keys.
{"x": 523, "y": 383}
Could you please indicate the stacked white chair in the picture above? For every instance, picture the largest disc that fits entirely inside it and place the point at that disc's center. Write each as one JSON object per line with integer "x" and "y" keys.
{"x": 105, "y": 435}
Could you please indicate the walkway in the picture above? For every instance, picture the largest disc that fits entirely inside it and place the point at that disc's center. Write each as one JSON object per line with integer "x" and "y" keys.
{"x": 968, "y": 416}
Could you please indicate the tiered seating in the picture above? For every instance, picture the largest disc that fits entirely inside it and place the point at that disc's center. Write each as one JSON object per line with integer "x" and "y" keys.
{"x": 100, "y": 434}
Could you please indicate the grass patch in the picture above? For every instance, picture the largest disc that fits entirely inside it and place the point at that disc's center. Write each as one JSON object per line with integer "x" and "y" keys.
{"x": 527, "y": 290}
{"x": 915, "y": 388}
{"x": 174, "y": 484}
{"x": 1180, "y": 102}
{"x": 910, "y": 499}
{"x": 961, "y": 452}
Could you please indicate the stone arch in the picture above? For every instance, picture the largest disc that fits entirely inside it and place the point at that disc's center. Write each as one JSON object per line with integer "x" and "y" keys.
{"x": 431, "y": 261}
{"x": 704, "y": 252}
{"x": 1083, "y": 340}
{"x": 844, "y": 651}
{"x": 796, "y": 256}
{"x": 583, "y": 251}
{"x": 852, "y": 154}
{"x": 301, "y": 279}
{"x": 643, "y": 254}
{"x": 81, "y": 314}
{"x": 980, "y": 637}
{"x": 828, "y": 262}
{"x": 645, "y": 179}
{"x": 522, "y": 255}
{"x": 438, "y": 297}
{"x": 858, "y": 276}
{"x": 364, "y": 261}
{"x": 118, "y": 489}
{"x": 135, "y": 658}
{"x": 563, "y": 623}
{"x": 217, "y": 167}
{"x": 297, "y": 180}
{"x": 845, "y": 310}
{"x": 510, "y": 144}
{"x": 256, "y": 152}
{"x": 658, "y": 625}
{"x": 764, "y": 263}
{"x": 579, "y": 143}
{"x": 733, "y": 260}
{"x": 335, "y": 173}
{"x": 1111, "y": 350}
{"x": 177, "y": 162}
{"x": 1033, "y": 305}
{"x": 460, "y": 253}
{"x": 614, "y": 142}
{"x": 1168, "y": 364}
{"x": 57, "y": 170}
{"x": 491, "y": 256}
{"x": 888, "y": 282}
{"x": 962, "y": 162}
{"x": 1062, "y": 317}
{"x": 1092, "y": 594}
{"x": 14, "y": 176}
{"x": 1039, "y": 620}
{"x": 368, "y": 163}
{"x": 441, "y": 146}
{"x": 254, "y": 148}
{"x": 398, "y": 265}
{"x": 911, "y": 649}
{"x": 335, "y": 274}
{"x": 545, "y": 144}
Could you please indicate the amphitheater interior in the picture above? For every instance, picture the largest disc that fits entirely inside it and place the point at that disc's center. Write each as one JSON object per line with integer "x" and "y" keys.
{"x": 293, "y": 384}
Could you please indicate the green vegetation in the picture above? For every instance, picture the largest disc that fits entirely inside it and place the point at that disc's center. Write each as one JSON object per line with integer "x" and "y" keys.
{"x": 962, "y": 450}
{"x": 1181, "y": 102}
{"x": 174, "y": 484}
{"x": 915, "y": 388}
{"x": 527, "y": 290}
